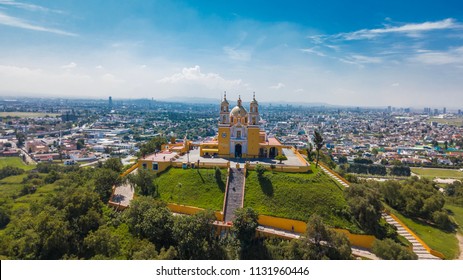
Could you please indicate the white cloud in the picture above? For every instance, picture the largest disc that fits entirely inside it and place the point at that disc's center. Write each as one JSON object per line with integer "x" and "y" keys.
{"x": 277, "y": 86}
{"x": 451, "y": 56}
{"x": 99, "y": 67}
{"x": 237, "y": 54}
{"x": 299, "y": 90}
{"x": 313, "y": 51}
{"x": 194, "y": 75}
{"x": 20, "y": 23}
{"x": 27, "y": 6}
{"x": 411, "y": 29}
{"x": 395, "y": 85}
{"x": 71, "y": 65}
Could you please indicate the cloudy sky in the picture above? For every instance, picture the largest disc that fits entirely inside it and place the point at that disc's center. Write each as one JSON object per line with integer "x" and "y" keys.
{"x": 368, "y": 53}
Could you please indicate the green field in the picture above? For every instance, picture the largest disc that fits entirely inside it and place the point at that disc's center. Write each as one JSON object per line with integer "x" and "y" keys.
{"x": 297, "y": 196}
{"x": 456, "y": 212}
{"x": 192, "y": 187}
{"x": 455, "y": 121}
{"x": 437, "y": 172}
{"x": 15, "y": 162}
{"x": 10, "y": 189}
{"x": 439, "y": 240}
{"x": 26, "y": 114}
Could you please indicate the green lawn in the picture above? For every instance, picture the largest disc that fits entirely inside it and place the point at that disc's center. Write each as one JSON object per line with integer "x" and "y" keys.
{"x": 437, "y": 172}
{"x": 456, "y": 213}
{"x": 10, "y": 189}
{"x": 297, "y": 196}
{"x": 444, "y": 242}
{"x": 27, "y": 114}
{"x": 15, "y": 162}
{"x": 192, "y": 187}
{"x": 455, "y": 121}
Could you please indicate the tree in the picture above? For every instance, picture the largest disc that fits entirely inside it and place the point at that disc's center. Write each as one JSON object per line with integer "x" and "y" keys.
{"x": 144, "y": 181}
{"x": 149, "y": 218}
{"x": 319, "y": 242}
{"x": 365, "y": 205}
{"x": 281, "y": 158}
{"x": 318, "y": 140}
{"x": 244, "y": 227}
{"x": 309, "y": 151}
{"x": 260, "y": 169}
{"x": 4, "y": 218}
{"x": 21, "y": 137}
{"x": 102, "y": 243}
{"x": 113, "y": 164}
{"x": 195, "y": 236}
{"x": 80, "y": 144}
{"x": 388, "y": 249}
{"x": 105, "y": 179}
{"x": 153, "y": 145}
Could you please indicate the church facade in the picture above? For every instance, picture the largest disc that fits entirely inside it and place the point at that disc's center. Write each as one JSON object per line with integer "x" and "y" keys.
{"x": 239, "y": 134}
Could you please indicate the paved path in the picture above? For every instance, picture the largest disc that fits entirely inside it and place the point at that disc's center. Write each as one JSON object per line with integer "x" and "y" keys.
{"x": 356, "y": 251}
{"x": 336, "y": 178}
{"x": 124, "y": 193}
{"x": 460, "y": 243}
{"x": 235, "y": 193}
{"x": 418, "y": 248}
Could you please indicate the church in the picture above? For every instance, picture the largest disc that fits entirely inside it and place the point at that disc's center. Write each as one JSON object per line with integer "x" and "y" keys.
{"x": 239, "y": 134}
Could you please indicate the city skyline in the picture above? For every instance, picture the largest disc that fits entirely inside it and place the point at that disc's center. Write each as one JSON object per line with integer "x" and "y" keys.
{"x": 346, "y": 54}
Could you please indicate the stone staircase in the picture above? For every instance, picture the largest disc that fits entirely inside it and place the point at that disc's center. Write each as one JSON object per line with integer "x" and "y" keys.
{"x": 333, "y": 176}
{"x": 235, "y": 193}
{"x": 418, "y": 248}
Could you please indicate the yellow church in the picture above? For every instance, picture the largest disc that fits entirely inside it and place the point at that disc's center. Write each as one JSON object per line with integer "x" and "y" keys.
{"x": 239, "y": 134}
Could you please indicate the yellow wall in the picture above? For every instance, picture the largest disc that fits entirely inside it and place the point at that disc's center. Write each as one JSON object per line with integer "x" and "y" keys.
{"x": 191, "y": 210}
{"x": 224, "y": 143}
{"x": 282, "y": 168}
{"x": 133, "y": 167}
{"x": 163, "y": 165}
{"x": 282, "y": 223}
{"x": 360, "y": 240}
{"x": 253, "y": 141}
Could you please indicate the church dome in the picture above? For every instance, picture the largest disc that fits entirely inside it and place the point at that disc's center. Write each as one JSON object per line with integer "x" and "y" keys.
{"x": 254, "y": 101}
{"x": 238, "y": 111}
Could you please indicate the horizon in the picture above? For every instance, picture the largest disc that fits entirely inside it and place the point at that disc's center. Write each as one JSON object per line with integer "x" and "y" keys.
{"x": 345, "y": 54}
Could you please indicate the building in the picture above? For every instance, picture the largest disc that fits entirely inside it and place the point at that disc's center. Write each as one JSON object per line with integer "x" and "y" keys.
{"x": 239, "y": 134}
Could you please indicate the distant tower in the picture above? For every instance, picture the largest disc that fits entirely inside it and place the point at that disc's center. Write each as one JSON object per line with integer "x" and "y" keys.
{"x": 110, "y": 103}
{"x": 444, "y": 111}
{"x": 254, "y": 111}
{"x": 224, "y": 110}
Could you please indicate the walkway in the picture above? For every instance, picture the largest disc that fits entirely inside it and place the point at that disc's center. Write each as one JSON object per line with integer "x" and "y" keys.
{"x": 124, "y": 193}
{"x": 418, "y": 248}
{"x": 235, "y": 193}
{"x": 356, "y": 251}
{"x": 334, "y": 177}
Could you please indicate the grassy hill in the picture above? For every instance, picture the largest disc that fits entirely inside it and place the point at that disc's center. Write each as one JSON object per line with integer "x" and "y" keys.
{"x": 437, "y": 239}
{"x": 10, "y": 192}
{"x": 432, "y": 173}
{"x": 15, "y": 162}
{"x": 192, "y": 187}
{"x": 298, "y": 196}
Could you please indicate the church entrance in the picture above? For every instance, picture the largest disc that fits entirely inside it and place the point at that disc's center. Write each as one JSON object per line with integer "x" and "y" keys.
{"x": 272, "y": 152}
{"x": 238, "y": 150}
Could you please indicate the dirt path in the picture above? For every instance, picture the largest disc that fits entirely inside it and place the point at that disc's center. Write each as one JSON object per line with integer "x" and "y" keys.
{"x": 460, "y": 242}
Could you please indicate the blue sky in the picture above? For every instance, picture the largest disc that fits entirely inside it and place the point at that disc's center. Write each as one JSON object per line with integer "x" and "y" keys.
{"x": 367, "y": 53}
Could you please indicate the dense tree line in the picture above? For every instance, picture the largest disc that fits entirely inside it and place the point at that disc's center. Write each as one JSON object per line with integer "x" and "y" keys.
{"x": 454, "y": 193}
{"x": 417, "y": 198}
{"x": 373, "y": 169}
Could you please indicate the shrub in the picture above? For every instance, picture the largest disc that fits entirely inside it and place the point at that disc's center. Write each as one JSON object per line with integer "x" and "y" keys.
{"x": 260, "y": 169}
{"x": 388, "y": 249}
